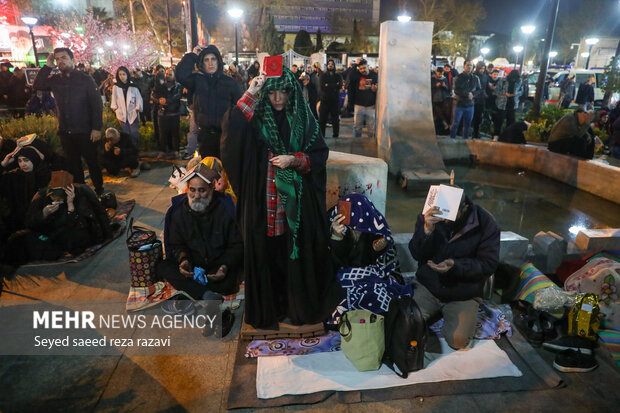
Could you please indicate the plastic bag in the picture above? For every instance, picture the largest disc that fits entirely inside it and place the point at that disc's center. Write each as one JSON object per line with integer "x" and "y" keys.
{"x": 552, "y": 299}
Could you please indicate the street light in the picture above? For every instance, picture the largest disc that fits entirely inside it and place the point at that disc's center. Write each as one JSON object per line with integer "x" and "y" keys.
{"x": 236, "y": 14}
{"x": 590, "y": 42}
{"x": 527, "y": 30}
{"x": 484, "y": 51}
{"x": 552, "y": 55}
{"x": 517, "y": 50}
{"x": 404, "y": 18}
{"x": 31, "y": 22}
{"x": 109, "y": 43}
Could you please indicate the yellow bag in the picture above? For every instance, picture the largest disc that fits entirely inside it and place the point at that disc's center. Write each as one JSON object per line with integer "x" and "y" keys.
{"x": 584, "y": 318}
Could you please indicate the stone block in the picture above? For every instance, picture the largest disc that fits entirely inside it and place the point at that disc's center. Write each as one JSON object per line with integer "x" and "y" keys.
{"x": 512, "y": 248}
{"x": 422, "y": 179}
{"x": 592, "y": 240}
{"x": 407, "y": 263}
{"x": 549, "y": 251}
{"x": 348, "y": 173}
{"x": 405, "y": 130}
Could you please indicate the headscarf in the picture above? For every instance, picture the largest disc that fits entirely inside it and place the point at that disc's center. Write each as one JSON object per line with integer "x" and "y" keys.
{"x": 119, "y": 83}
{"x": 215, "y": 164}
{"x": 299, "y": 117}
{"x": 31, "y": 154}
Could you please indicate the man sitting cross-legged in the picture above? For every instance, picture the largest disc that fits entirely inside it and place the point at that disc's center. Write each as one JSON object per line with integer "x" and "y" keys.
{"x": 202, "y": 235}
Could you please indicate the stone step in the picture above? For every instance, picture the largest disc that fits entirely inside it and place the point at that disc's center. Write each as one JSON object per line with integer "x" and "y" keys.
{"x": 592, "y": 240}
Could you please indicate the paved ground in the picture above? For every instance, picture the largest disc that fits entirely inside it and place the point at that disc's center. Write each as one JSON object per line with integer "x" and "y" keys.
{"x": 200, "y": 383}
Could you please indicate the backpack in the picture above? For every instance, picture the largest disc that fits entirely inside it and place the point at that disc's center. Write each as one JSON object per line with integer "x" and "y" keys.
{"x": 405, "y": 337}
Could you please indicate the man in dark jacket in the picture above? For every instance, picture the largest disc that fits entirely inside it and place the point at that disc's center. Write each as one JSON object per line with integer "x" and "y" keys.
{"x": 120, "y": 153}
{"x": 363, "y": 94}
{"x": 571, "y": 135}
{"x": 331, "y": 83}
{"x": 567, "y": 91}
{"x": 480, "y": 98}
{"x": 439, "y": 94}
{"x": 466, "y": 86}
{"x": 168, "y": 98}
{"x": 203, "y": 234}
{"x": 18, "y": 93}
{"x": 79, "y": 114}
{"x": 214, "y": 94}
{"x": 454, "y": 261}
{"x": 585, "y": 95}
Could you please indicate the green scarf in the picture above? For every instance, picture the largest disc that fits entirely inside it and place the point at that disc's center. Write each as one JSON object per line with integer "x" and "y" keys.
{"x": 288, "y": 181}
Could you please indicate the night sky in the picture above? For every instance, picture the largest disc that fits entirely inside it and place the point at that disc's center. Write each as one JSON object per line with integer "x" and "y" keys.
{"x": 503, "y": 15}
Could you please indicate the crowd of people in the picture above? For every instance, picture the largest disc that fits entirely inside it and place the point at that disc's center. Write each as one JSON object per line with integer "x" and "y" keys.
{"x": 464, "y": 101}
{"x": 253, "y": 201}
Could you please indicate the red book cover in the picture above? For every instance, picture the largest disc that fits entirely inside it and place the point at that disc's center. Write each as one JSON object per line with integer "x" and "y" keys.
{"x": 273, "y": 66}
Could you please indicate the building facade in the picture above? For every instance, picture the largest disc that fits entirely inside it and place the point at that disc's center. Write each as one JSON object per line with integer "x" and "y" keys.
{"x": 324, "y": 15}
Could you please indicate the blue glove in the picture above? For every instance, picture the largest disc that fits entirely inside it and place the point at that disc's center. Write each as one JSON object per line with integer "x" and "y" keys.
{"x": 200, "y": 276}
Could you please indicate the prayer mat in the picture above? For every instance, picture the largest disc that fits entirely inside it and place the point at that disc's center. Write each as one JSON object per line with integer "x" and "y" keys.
{"x": 285, "y": 331}
{"x": 536, "y": 375}
{"x": 119, "y": 224}
{"x": 294, "y": 346}
{"x": 611, "y": 338}
{"x": 141, "y": 298}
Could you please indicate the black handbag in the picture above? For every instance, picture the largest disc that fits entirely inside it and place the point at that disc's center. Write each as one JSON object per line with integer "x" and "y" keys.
{"x": 405, "y": 337}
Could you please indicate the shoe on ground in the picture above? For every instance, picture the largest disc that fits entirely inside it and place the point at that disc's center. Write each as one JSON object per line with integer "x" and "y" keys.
{"x": 187, "y": 156}
{"x": 228, "y": 320}
{"x": 135, "y": 173}
{"x": 571, "y": 361}
{"x": 178, "y": 307}
{"x": 571, "y": 342}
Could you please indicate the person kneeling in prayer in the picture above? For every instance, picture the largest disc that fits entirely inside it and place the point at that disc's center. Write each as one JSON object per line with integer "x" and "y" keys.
{"x": 203, "y": 244}
{"x": 119, "y": 153}
{"x": 455, "y": 259}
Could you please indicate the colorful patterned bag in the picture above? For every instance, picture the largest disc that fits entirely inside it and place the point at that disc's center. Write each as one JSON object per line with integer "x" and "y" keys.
{"x": 145, "y": 252}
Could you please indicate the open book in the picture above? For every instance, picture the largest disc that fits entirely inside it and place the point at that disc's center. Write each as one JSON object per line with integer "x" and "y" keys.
{"x": 446, "y": 198}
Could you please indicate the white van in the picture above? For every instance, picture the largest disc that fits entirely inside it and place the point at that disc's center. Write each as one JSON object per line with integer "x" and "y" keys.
{"x": 581, "y": 75}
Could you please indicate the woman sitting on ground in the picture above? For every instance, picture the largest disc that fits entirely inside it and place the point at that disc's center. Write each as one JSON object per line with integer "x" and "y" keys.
{"x": 365, "y": 255}
{"x": 60, "y": 221}
{"x": 18, "y": 186}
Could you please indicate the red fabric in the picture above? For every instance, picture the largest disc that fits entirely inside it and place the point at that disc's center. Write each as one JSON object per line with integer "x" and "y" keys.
{"x": 568, "y": 268}
{"x": 246, "y": 103}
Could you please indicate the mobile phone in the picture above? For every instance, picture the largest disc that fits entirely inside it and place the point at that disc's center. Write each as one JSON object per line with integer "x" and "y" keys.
{"x": 56, "y": 202}
{"x": 344, "y": 209}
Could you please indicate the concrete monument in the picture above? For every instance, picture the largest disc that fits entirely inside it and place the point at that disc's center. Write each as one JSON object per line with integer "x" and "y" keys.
{"x": 405, "y": 131}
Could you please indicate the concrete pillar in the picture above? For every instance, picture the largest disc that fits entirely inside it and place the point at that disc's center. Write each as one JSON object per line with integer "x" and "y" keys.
{"x": 405, "y": 131}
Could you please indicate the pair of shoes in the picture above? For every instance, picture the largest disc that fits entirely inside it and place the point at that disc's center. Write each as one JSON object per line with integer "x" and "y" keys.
{"x": 187, "y": 156}
{"x": 571, "y": 361}
{"x": 135, "y": 173}
{"x": 571, "y": 342}
{"x": 180, "y": 307}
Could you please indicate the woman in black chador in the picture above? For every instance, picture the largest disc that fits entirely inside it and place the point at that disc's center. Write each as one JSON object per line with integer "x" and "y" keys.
{"x": 275, "y": 157}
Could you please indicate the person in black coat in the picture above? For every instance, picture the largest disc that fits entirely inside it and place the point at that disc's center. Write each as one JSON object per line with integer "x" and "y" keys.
{"x": 288, "y": 271}
{"x": 59, "y": 221}
{"x": 480, "y": 99}
{"x": 454, "y": 261}
{"x": 119, "y": 153}
{"x": 214, "y": 94}
{"x": 18, "y": 93}
{"x": 331, "y": 83}
{"x": 168, "y": 97}
{"x": 585, "y": 95}
{"x": 202, "y": 233}
{"x": 439, "y": 94}
{"x": 310, "y": 94}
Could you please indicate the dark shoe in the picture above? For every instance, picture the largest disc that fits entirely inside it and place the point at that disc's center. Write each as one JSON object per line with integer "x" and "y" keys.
{"x": 571, "y": 342}
{"x": 180, "y": 307}
{"x": 228, "y": 320}
{"x": 529, "y": 325}
{"x": 571, "y": 361}
{"x": 99, "y": 191}
{"x": 187, "y": 156}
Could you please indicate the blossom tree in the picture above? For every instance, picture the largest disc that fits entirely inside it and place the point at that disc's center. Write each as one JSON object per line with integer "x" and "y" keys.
{"x": 91, "y": 42}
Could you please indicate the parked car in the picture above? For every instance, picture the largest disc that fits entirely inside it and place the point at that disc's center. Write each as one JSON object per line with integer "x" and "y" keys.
{"x": 581, "y": 75}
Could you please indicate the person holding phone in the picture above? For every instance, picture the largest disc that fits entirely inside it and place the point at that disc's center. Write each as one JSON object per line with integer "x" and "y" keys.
{"x": 79, "y": 113}
{"x": 275, "y": 157}
{"x": 454, "y": 261}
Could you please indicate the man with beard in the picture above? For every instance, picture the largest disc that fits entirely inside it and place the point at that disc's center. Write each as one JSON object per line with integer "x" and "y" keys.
{"x": 454, "y": 261}
{"x": 331, "y": 83}
{"x": 363, "y": 94}
{"x": 203, "y": 237}
{"x": 214, "y": 93}
{"x": 79, "y": 114}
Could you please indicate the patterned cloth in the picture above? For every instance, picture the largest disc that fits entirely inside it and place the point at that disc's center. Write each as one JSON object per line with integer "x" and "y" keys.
{"x": 141, "y": 298}
{"x": 493, "y": 321}
{"x": 532, "y": 280}
{"x": 294, "y": 346}
{"x": 372, "y": 287}
{"x": 611, "y": 338}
